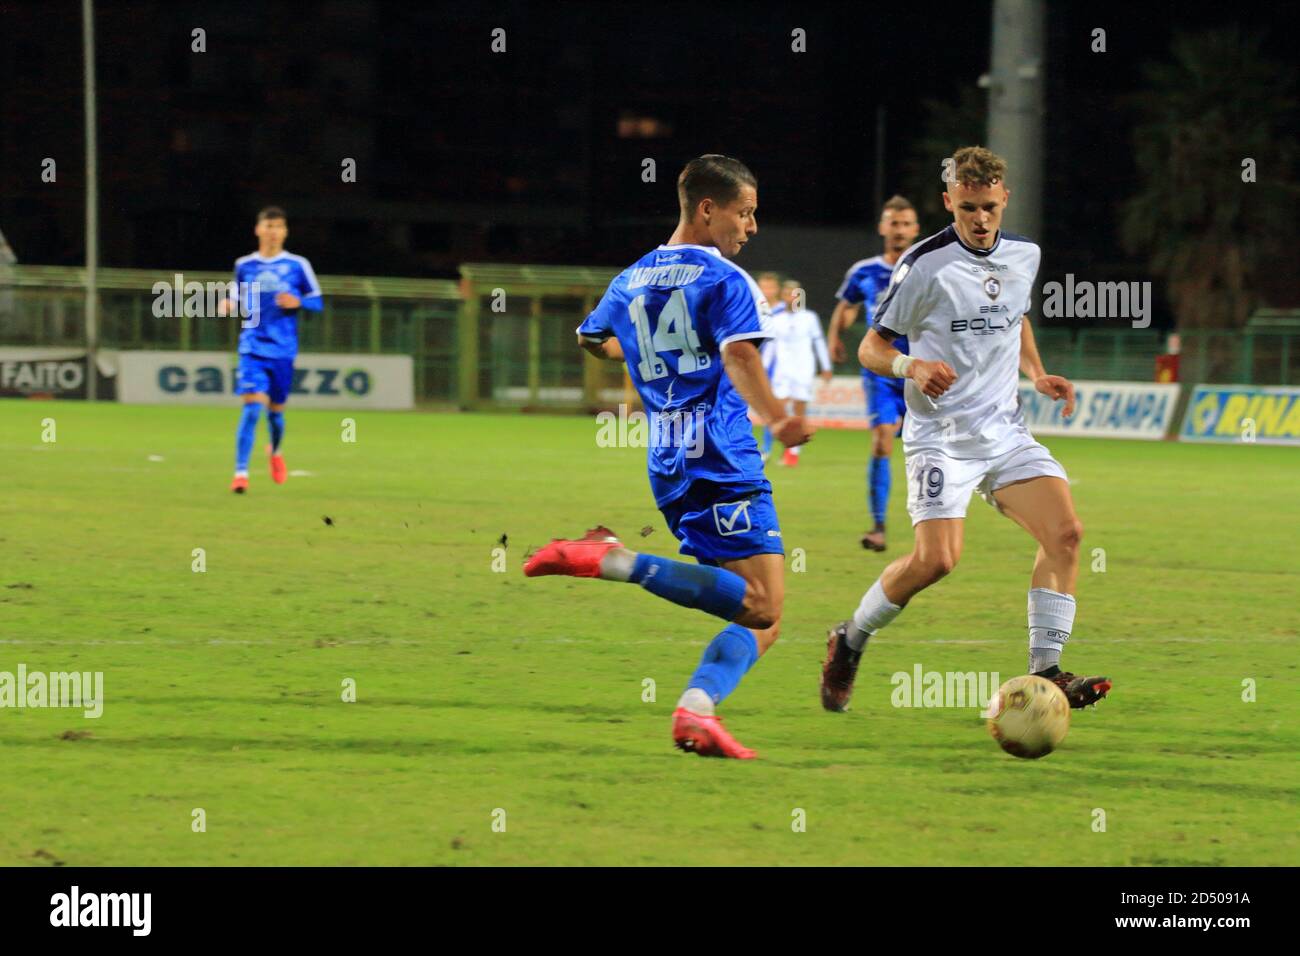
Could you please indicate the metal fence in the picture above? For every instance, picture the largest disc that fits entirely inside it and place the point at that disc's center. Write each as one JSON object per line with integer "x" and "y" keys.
{"x": 1244, "y": 358}
{"x": 45, "y": 306}
{"x": 504, "y": 335}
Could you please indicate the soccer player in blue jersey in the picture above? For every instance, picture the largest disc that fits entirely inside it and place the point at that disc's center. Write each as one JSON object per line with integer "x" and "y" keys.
{"x": 862, "y": 290}
{"x": 685, "y": 319}
{"x": 269, "y": 340}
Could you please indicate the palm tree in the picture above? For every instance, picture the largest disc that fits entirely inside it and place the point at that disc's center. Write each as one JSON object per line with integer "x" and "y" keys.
{"x": 1218, "y": 102}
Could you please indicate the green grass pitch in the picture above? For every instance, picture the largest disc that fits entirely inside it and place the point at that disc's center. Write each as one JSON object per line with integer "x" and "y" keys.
{"x": 479, "y": 692}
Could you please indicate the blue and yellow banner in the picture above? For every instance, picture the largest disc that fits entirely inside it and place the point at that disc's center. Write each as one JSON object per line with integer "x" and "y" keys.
{"x": 1243, "y": 413}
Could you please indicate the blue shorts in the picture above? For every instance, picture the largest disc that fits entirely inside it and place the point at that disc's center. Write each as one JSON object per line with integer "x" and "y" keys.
{"x": 885, "y": 404}
{"x": 715, "y": 523}
{"x": 272, "y": 376}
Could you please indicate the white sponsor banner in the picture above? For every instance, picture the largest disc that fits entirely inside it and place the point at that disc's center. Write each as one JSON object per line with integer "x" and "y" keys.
{"x": 321, "y": 380}
{"x": 839, "y": 403}
{"x": 1104, "y": 410}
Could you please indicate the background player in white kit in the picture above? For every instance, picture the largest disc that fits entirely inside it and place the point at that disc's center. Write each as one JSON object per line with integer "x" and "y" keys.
{"x": 798, "y": 349}
{"x": 962, "y": 298}
{"x": 769, "y": 284}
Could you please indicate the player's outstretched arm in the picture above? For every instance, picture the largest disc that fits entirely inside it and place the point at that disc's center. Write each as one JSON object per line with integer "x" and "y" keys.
{"x": 744, "y": 367}
{"x": 845, "y": 314}
{"x": 878, "y": 355}
{"x": 1053, "y": 386}
{"x": 607, "y": 349}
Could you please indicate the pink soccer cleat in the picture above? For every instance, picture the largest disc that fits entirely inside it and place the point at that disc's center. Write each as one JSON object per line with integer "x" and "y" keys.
{"x": 580, "y": 558}
{"x": 279, "y": 471}
{"x": 706, "y": 736}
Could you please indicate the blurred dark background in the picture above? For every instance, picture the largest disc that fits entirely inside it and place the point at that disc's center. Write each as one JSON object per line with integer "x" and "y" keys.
{"x": 536, "y": 154}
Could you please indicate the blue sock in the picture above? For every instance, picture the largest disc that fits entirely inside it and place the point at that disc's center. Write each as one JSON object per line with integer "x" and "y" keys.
{"x": 276, "y": 422}
{"x": 879, "y": 481}
{"x": 698, "y": 586}
{"x": 247, "y": 432}
{"x": 725, "y": 661}
{"x": 767, "y": 440}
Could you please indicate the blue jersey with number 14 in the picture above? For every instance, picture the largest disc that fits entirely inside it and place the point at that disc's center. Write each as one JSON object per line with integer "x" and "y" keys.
{"x": 672, "y": 311}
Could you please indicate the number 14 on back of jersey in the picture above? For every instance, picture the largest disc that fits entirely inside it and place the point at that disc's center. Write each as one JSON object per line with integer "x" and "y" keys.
{"x": 674, "y": 332}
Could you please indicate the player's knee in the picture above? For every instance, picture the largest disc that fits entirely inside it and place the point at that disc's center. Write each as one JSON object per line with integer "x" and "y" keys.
{"x": 936, "y": 565}
{"x": 1068, "y": 537}
{"x": 762, "y": 609}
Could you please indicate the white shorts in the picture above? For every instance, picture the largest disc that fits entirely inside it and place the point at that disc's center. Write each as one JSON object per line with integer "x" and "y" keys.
{"x": 940, "y": 487}
{"x": 798, "y": 389}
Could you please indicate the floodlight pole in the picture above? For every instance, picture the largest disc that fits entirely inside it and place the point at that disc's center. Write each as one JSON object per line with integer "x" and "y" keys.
{"x": 878, "y": 190}
{"x": 1015, "y": 85}
{"x": 92, "y": 197}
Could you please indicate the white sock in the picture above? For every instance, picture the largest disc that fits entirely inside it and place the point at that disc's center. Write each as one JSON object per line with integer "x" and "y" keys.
{"x": 697, "y": 701}
{"x": 617, "y": 564}
{"x": 795, "y": 450}
{"x": 1051, "y": 618}
{"x": 241, "y": 474}
{"x": 872, "y": 614}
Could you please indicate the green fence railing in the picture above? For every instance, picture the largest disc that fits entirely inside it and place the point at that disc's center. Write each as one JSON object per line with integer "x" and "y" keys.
{"x": 503, "y": 336}
{"x": 1245, "y": 358}
{"x": 45, "y": 305}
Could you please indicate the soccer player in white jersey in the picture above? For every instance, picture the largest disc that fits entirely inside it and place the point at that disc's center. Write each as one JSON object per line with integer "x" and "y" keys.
{"x": 962, "y": 298}
{"x": 799, "y": 349}
{"x": 769, "y": 284}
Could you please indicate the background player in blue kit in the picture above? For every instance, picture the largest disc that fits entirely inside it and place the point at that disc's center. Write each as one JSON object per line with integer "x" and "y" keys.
{"x": 268, "y": 343}
{"x": 685, "y": 319}
{"x": 864, "y": 285}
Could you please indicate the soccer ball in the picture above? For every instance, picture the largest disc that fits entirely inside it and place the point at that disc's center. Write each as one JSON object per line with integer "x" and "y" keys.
{"x": 1028, "y": 716}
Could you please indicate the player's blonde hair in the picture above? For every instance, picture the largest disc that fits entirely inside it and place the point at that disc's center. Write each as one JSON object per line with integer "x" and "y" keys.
{"x": 977, "y": 166}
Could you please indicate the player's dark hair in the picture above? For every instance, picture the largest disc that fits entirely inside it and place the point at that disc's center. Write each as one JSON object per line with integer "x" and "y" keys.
{"x": 271, "y": 212}
{"x": 712, "y": 176}
{"x": 897, "y": 203}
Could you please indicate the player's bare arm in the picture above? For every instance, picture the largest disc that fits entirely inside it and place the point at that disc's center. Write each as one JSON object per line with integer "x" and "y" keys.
{"x": 744, "y": 367}
{"x": 845, "y": 314}
{"x": 607, "y": 349}
{"x": 877, "y": 354}
{"x": 1031, "y": 365}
